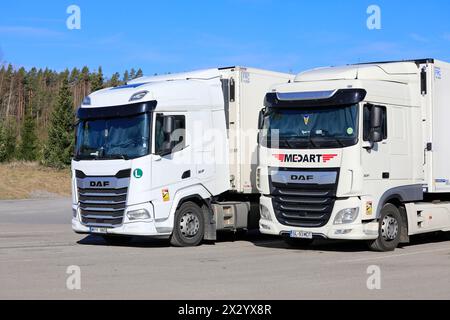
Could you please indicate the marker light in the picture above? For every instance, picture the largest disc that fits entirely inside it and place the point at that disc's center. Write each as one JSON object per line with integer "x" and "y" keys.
{"x": 138, "y": 96}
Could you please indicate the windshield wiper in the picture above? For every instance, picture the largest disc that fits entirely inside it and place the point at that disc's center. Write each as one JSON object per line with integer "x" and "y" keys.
{"x": 311, "y": 141}
{"x": 116, "y": 156}
{"x": 81, "y": 157}
{"x": 285, "y": 141}
{"x": 339, "y": 141}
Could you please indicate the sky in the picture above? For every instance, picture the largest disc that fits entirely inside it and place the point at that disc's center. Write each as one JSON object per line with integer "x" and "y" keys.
{"x": 181, "y": 35}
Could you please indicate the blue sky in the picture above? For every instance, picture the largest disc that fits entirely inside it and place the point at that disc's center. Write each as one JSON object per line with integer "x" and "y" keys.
{"x": 176, "y": 35}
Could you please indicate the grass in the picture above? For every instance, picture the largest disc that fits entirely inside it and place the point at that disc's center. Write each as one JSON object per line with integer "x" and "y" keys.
{"x": 28, "y": 180}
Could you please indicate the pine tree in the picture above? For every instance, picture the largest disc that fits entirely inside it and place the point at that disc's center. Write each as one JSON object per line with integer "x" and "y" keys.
{"x": 97, "y": 80}
{"x": 7, "y": 142}
{"x": 3, "y": 154}
{"x": 132, "y": 74}
{"x": 139, "y": 73}
{"x": 126, "y": 76}
{"x": 61, "y": 137}
{"x": 115, "y": 80}
{"x": 28, "y": 139}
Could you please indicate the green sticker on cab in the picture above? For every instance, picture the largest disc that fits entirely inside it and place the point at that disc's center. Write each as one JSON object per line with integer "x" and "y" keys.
{"x": 138, "y": 173}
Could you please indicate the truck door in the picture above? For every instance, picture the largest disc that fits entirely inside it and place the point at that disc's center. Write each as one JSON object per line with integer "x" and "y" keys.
{"x": 376, "y": 160}
{"x": 172, "y": 171}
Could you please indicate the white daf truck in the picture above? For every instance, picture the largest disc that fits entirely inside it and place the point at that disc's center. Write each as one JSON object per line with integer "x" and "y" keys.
{"x": 170, "y": 156}
{"x": 358, "y": 152}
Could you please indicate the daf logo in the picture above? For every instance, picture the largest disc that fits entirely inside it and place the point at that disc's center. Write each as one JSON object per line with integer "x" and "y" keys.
{"x": 101, "y": 184}
{"x": 302, "y": 178}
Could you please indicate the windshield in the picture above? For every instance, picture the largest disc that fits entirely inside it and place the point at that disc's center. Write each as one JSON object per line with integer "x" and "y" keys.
{"x": 311, "y": 128}
{"x": 114, "y": 138}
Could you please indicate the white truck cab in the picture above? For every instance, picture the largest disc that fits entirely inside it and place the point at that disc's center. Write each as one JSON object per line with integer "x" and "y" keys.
{"x": 161, "y": 156}
{"x": 358, "y": 152}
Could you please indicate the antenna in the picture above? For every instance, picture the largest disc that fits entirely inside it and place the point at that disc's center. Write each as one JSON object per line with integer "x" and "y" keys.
{"x": 357, "y": 69}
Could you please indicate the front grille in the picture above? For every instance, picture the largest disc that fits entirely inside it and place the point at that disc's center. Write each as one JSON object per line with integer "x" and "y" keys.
{"x": 301, "y": 205}
{"x": 103, "y": 207}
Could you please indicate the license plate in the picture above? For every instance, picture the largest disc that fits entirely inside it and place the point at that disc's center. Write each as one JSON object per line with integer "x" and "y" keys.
{"x": 301, "y": 235}
{"x": 98, "y": 230}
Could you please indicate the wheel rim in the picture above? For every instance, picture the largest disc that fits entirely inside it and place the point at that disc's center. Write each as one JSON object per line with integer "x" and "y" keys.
{"x": 189, "y": 225}
{"x": 389, "y": 228}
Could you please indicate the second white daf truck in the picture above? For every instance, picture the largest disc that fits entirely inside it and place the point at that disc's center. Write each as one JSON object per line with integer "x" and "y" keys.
{"x": 170, "y": 156}
{"x": 359, "y": 152}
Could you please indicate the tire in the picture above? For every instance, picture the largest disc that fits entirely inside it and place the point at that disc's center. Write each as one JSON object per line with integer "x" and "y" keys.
{"x": 389, "y": 230}
{"x": 117, "y": 240}
{"x": 189, "y": 226}
{"x": 298, "y": 243}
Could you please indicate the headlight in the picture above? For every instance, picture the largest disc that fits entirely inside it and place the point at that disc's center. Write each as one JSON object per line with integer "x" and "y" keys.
{"x": 86, "y": 101}
{"x": 346, "y": 216}
{"x": 140, "y": 214}
{"x": 138, "y": 96}
{"x": 265, "y": 213}
{"x": 74, "y": 213}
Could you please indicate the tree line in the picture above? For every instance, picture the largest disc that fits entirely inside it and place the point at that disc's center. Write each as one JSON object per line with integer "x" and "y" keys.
{"x": 37, "y": 110}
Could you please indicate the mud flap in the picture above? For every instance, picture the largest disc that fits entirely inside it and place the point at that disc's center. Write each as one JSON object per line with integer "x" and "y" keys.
{"x": 210, "y": 224}
{"x": 404, "y": 237}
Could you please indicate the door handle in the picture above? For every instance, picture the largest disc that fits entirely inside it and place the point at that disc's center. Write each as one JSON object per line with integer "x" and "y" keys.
{"x": 186, "y": 175}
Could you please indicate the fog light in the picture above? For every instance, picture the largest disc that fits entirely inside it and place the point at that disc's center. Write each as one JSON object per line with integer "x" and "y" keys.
{"x": 346, "y": 216}
{"x": 140, "y": 214}
{"x": 343, "y": 232}
{"x": 265, "y": 213}
{"x": 264, "y": 226}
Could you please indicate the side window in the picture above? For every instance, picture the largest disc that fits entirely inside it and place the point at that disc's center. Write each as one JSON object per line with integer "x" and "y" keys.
{"x": 366, "y": 122}
{"x": 177, "y": 137}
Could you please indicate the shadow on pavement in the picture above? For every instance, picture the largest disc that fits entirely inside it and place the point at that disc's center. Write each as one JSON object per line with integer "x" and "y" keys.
{"x": 265, "y": 241}
{"x": 136, "y": 242}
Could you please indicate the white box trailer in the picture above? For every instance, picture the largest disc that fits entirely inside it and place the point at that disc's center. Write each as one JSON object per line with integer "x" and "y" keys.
{"x": 362, "y": 153}
{"x": 170, "y": 156}
{"x": 435, "y": 78}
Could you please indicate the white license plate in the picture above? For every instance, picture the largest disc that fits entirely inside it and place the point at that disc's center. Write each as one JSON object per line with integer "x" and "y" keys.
{"x": 301, "y": 235}
{"x": 98, "y": 230}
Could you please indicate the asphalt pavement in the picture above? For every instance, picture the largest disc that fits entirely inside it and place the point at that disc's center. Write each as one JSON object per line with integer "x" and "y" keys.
{"x": 41, "y": 258}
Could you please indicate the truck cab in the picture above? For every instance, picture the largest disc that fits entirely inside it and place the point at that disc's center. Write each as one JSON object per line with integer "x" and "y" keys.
{"x": 137, "y": 153}
{"x": 152, "y": 157}
{"x": 345, "y": 154}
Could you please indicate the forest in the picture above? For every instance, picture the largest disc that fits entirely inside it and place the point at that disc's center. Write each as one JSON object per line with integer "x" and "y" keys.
{"x": 37, "y": 110}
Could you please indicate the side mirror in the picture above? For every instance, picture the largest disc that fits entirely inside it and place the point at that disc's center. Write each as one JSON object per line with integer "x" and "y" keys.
{"x": 376, "y": 124}
{"x": 168, "y": 127}
{"x": 376, "y": 136}
{"x": 376, "y": 117}
{"x": 261, "y": 118}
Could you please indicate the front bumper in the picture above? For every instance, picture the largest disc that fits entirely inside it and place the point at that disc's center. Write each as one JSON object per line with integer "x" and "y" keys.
{"x": 357, "y": 230}
{"x": 147, "y": 228}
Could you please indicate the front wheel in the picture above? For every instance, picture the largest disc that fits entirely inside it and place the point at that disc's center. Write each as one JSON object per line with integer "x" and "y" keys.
{"x": 189, "y": 228}
{"x": 389, "y": 231}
